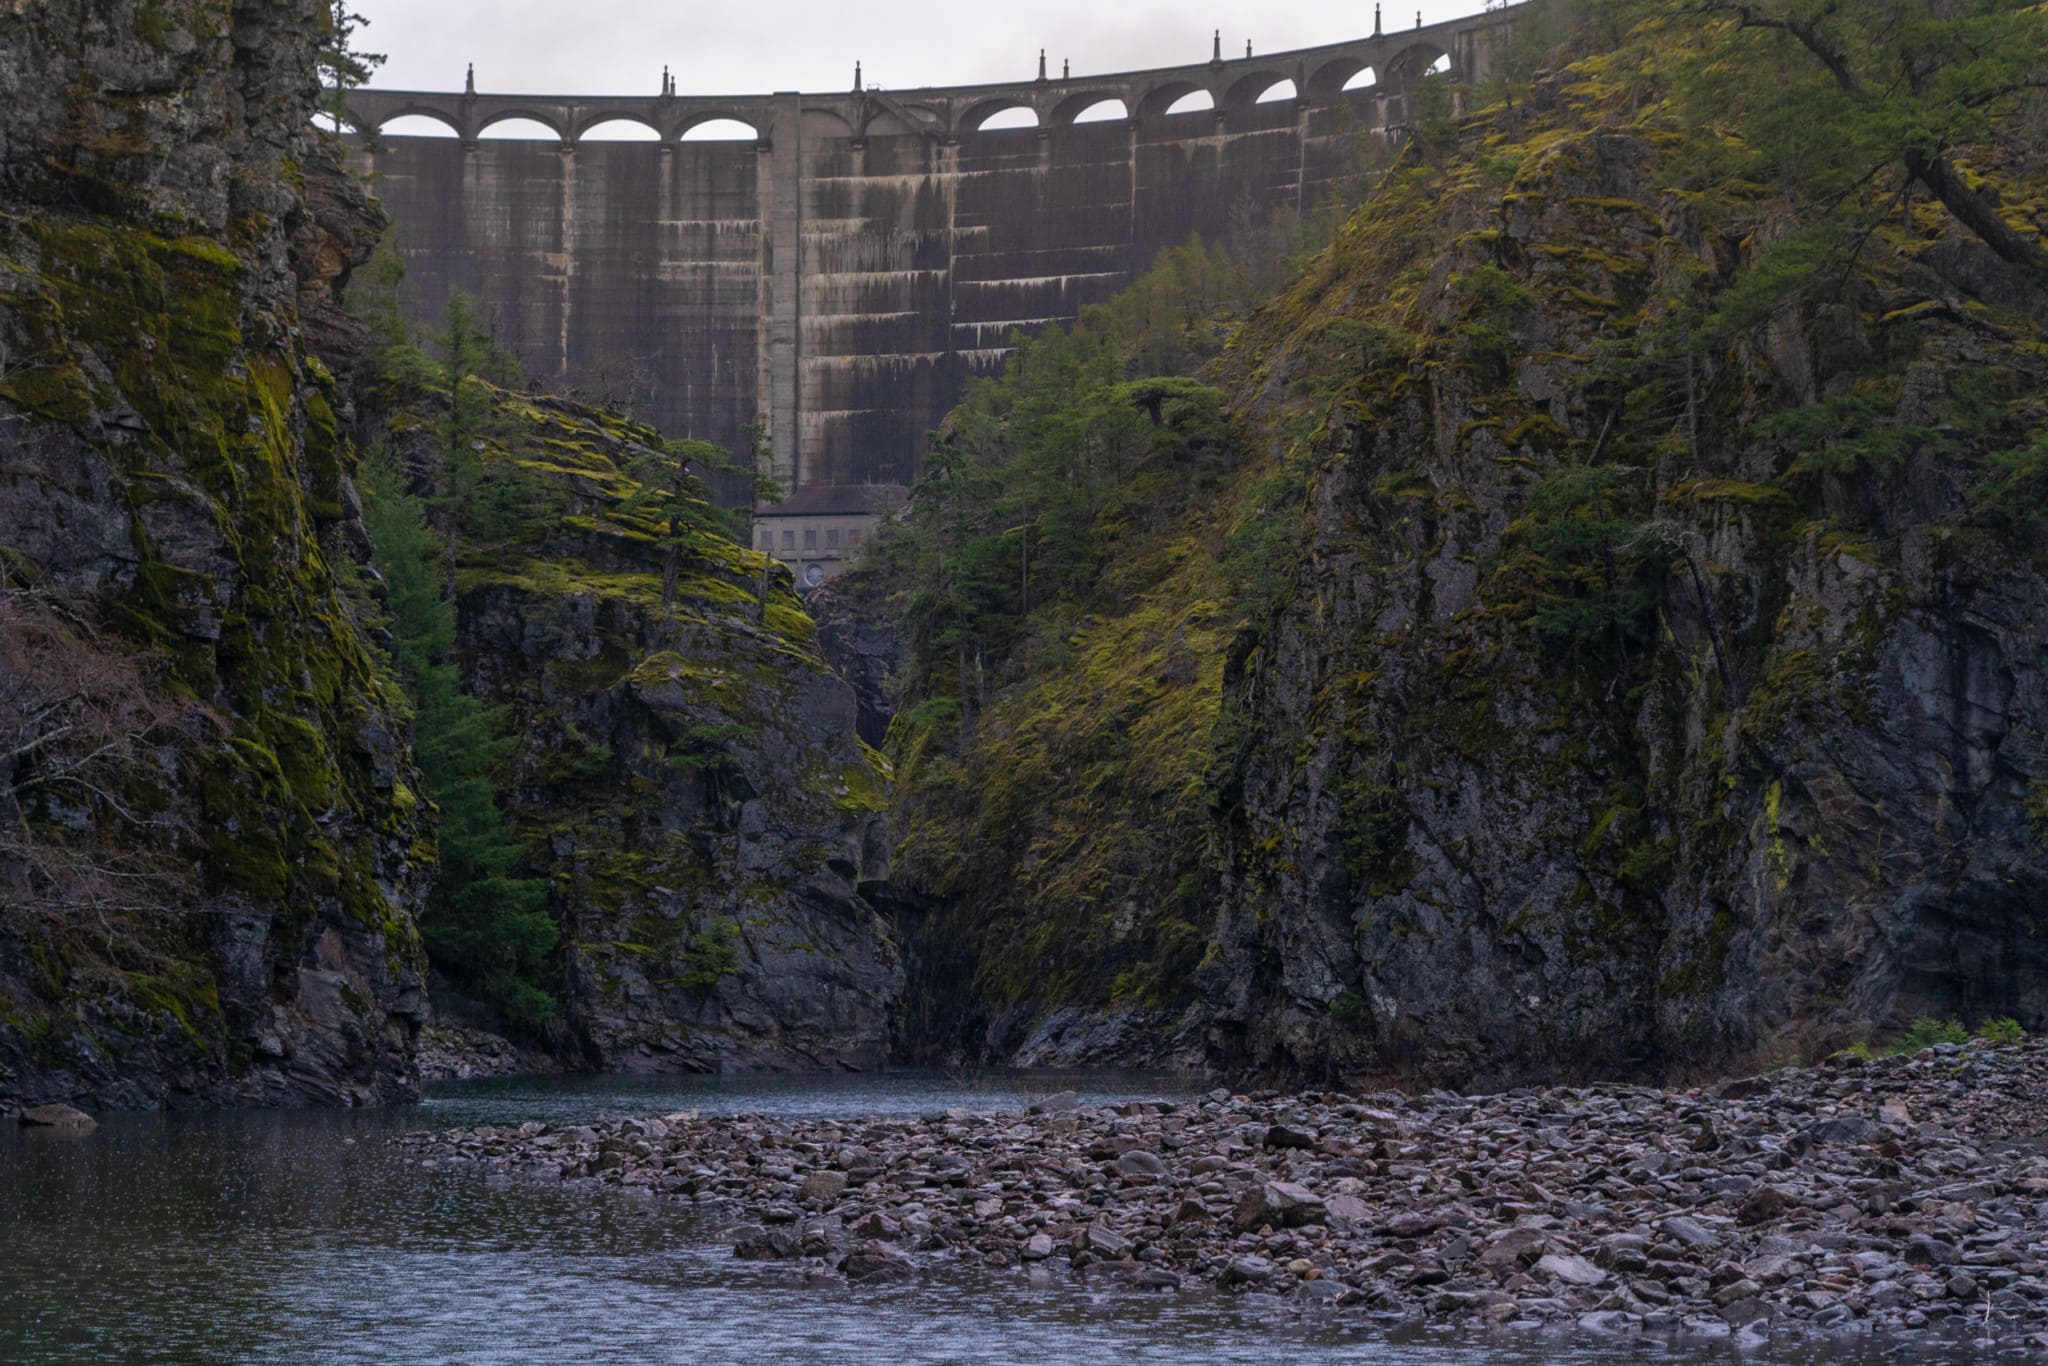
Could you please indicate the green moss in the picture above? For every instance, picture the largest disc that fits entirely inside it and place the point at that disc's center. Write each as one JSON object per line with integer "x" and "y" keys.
{"x": 1700, "y": 491}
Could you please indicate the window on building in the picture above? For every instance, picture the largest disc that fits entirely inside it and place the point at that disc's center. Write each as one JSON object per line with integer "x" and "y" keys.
{"x": 789, "y": 540}
{"x": 810, "y": 538}
{"x": 764, "y": 539}
{"x": 831, "y": 538}
{"x": 853, "y": 537}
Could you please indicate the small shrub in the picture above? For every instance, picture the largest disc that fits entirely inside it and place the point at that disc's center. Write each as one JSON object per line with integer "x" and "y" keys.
{"x": 1925, "y": 1032}
{"x": 1348, "y": 1009}
{"x": 2003, "y": 1031}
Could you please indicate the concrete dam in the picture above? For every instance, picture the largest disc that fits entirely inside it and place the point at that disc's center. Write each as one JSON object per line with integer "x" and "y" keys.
{"x": 839, "y": 273}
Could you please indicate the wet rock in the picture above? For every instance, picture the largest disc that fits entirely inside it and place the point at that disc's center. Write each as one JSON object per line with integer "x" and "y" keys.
{"x": 1248, "y": 1271}
{"x": 879, "y": 1262}
{"x": 67, "y": 1118}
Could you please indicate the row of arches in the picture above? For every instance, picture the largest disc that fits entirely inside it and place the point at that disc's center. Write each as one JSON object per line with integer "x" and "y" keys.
{"x": 1022, "y": 109}
{"x": 516, "y": 128}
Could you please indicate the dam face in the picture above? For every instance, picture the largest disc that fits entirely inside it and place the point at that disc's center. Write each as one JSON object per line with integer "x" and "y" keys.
{"x": 838, "y": 276}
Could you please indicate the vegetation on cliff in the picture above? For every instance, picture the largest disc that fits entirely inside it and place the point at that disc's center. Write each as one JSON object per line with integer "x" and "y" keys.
{"x": 205, "y": 876}
{"x": 1606, "y": 522}
{"x": 690, "y": 810}
{"x": 484, "y": 926}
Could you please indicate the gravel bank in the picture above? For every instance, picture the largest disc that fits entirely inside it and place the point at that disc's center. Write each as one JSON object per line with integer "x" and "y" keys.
{"x": 1903, "y": 1195}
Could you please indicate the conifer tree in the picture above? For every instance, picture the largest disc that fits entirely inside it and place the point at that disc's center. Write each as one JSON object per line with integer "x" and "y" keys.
{"x": 487, "y": 929}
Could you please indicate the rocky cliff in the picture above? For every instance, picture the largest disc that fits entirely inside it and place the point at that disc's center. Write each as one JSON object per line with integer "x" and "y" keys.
{"x": 689, "y": 774}
{"x": 207, "y": 831}
{"x": 1615, "y": 723}
{"x": 1639, "y": 665}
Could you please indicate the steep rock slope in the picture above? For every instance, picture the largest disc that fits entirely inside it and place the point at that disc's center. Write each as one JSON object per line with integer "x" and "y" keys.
{"x": 1651, "y": 690}
{"x": 207, "y": 867}
{"x": 689, "y": 773}
{"x": 1611, "y": 652}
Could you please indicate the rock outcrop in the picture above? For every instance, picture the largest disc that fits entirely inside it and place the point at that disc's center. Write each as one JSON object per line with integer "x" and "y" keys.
{"x": 207, "y": 885}
{"x": 1632, "y": 710}
{"x": 689, "y": 774}
{"x": 1604, "y": 658}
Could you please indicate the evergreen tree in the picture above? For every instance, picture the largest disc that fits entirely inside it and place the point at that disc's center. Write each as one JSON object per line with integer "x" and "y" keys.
{"x": 486, "y": 928}
{"x": 341, "y": 65}
{"x": 491, "y": 499}
{"x": 1858, "y": 103}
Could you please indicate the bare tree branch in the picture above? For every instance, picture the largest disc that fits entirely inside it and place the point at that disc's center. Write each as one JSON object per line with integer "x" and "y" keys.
{"x": 83, "y": 720}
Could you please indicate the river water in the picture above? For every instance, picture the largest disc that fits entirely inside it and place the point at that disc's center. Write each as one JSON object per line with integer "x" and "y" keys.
{"x": 307, "y": 1238}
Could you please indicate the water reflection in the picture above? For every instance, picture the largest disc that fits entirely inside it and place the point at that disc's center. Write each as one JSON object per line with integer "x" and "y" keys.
{"x": 306, "y": 1238}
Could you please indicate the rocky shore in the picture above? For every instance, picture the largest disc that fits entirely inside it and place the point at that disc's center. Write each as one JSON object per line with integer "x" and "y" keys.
{"x": 1908, "y": 1194}
{"x": 449, "y": 1051}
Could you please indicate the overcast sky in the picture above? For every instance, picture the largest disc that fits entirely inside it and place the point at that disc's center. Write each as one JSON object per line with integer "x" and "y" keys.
{"x": 610, "y": 47}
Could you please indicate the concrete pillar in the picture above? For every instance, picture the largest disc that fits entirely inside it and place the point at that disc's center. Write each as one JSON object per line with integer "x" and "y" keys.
{"x": 780, "y": 338}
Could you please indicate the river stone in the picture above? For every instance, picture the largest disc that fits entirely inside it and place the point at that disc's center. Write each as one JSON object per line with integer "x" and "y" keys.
{"x": 823, "y": 1187}
{"x": 878, "y": 1262}
{"x": 1512, "y": 1249}
{"x": 1058, "y": 1103}
{"x": 1571, "y": 1270}
{"x": 1105, "y": 1241}
{"x": 1462, "y": 1228}
{"x": 1138, "y": 1162}
{"x": 66, "y": 1118}
{"x": 1252, "y": 1270}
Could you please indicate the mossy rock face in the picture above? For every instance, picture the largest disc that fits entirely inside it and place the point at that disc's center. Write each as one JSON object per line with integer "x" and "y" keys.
{"x": 171, "y": 517}
{"x": 1625, "y": 708}
{"x": 689, "y": 774}
{"x": 1496, "y": 825}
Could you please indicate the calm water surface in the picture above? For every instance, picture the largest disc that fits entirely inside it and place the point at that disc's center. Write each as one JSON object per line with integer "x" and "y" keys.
{"x": 306, "y": 1238}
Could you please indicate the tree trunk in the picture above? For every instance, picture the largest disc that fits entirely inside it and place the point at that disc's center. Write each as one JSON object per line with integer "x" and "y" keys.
{"x": 1975, "y": 212}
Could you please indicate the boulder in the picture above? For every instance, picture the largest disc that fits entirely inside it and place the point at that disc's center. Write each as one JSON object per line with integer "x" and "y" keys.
{"x": 66, "y": 1118}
